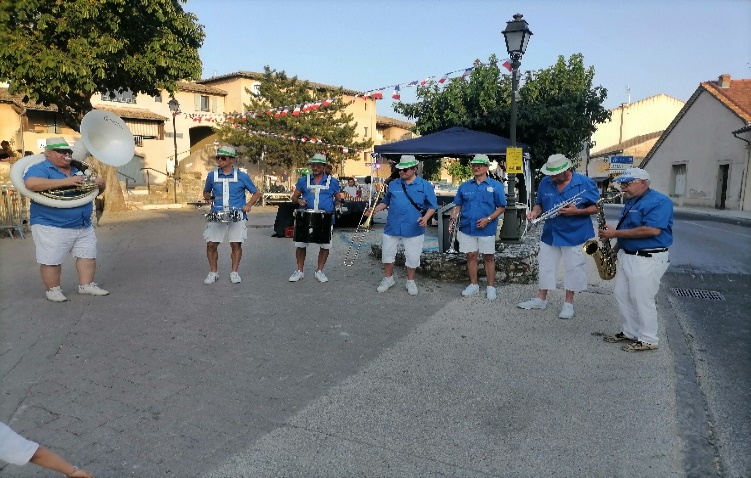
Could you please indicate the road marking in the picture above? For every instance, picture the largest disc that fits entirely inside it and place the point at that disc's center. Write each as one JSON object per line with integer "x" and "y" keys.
{"x": 717, "y": 228}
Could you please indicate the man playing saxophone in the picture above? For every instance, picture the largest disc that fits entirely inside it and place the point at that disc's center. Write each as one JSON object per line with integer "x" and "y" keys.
{"x": 644, "y": 233}
{"x": 563, "y": 233}
{"x": 480, "y": 201}
{"x": 59, "y": 231}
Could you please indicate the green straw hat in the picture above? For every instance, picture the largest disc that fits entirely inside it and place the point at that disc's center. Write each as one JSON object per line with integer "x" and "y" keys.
{"x": 407, "y": 161}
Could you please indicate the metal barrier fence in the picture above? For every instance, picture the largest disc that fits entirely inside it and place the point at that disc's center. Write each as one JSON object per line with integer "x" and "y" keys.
{"x": 14, "y": 212}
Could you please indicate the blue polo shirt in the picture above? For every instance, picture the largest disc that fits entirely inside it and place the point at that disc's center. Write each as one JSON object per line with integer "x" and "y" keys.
{"x": 402, "y": 218}
{"x": 236, "y": 189}
{"x": 654, "y": 209}
{"x": 479, "y": 200}
{"x": 67, "y": 218}
{"x": 326, "y": 197}
{"x": 567, "y": 230}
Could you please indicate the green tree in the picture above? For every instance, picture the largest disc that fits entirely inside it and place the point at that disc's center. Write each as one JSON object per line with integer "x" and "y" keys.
{"x": 64, "y": 52}
{"x": 558, "y": 107}
{"x": 279, "y": 139}
{"x": 459, "y": 169}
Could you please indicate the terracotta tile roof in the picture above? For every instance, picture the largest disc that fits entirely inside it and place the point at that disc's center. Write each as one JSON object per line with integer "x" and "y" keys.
{"x": 737, "y": 97}
{"x": 17, "y": 100}
{"x": 386, "y": 121}
{"x": 617, "y": 148}
{"x": 133, "y": 113}
{"x": 199, "y": 88}
{"x": 254, "y": 75}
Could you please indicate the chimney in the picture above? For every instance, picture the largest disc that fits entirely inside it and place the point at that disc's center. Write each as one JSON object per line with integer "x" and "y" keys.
{"x": 724, "y": 81}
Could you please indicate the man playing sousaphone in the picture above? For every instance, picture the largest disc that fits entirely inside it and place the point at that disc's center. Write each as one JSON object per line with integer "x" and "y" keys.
{"x": 315, "y": 192}
{"x": 58, "y": 231}
{"x": 225, "y": 188}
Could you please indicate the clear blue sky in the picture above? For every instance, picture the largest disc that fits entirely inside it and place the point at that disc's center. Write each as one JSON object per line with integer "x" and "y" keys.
{"x": 656, "y": 46}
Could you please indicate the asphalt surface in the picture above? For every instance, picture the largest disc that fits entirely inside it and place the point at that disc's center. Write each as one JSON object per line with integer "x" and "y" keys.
{"x": 170, "y": 377}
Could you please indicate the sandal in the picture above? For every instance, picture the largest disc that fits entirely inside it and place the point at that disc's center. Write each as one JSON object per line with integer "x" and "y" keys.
{"x": 619, "y": 337}
{"x": 639, "y": 346}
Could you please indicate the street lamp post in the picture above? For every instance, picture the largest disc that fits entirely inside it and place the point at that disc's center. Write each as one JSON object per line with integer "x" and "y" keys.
{"x": 174, "y": 107}
{"x": 517, "y": 35}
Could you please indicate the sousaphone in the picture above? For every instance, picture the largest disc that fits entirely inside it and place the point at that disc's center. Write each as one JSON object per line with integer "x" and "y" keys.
{"x": 105, "y": 136}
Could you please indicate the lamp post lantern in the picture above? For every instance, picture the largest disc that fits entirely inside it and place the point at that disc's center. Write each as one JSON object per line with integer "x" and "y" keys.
{"x": 517, "y": 36}
{"x": 174, "y": 107}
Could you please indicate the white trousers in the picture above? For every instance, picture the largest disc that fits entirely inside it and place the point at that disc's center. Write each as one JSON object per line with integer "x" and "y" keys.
{"x": 636, "y": 285}
{"x": 574, "y": 267}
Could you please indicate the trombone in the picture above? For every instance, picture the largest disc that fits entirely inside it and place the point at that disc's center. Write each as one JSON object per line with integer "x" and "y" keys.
{"x": 358, "y": 238}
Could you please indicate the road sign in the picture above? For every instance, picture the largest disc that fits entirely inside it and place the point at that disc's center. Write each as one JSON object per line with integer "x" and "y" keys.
{"x": 514, "y": 163}
{"x": 618, "y": 164}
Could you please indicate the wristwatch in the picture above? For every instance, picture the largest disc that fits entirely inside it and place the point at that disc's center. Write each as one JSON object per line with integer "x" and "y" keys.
{"x": 490, "y": 219}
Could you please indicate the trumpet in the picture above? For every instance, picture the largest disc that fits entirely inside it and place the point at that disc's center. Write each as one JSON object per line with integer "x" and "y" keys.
{"x": 454, "y": 235}
{"x": 358, "y": 238}
{"x": 557, "y": 209}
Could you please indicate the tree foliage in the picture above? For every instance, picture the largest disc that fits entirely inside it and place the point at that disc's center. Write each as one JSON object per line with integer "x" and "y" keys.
{"x": 62, "y": 52}
{"x": 558, "y": 107}
{"x": 261, "y": 134}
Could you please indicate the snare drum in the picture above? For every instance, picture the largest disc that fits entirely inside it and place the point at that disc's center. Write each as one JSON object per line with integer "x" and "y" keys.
{"x": 313, "y": 226}
{"x": 233, "y": 215}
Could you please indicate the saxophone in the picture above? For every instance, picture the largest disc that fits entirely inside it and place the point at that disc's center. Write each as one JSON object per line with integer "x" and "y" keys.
{"x": 602, "y": 253}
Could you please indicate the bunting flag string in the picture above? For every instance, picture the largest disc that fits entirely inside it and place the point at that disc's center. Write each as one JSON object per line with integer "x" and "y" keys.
{"x": 375, "y": 94}
{"x": 302, "y": 139}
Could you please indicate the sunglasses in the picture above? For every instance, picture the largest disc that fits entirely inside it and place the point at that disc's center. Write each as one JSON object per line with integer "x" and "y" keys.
{"x": 223, "y": 158}
{"x": 63, "y": 151}
{"x": 625, "y": 184}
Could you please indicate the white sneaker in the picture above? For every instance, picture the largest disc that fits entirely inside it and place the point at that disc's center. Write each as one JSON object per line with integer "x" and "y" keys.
{"x": 56, "y": 295}
{"x": 567, "y": 312}
{"x": 321, "y": 276}
{"x": 491, "y": 292}
{"x": 234, "y": 277}
{"x": 472, "y": 289}
{"x": 386, "y": 284}
{"x": 211, "y": 278}
{"x": 298, "y": 275}
{"x": 535, "y": 303}
{"x": 411, "y": 287}
{"x": 92, "y": 289}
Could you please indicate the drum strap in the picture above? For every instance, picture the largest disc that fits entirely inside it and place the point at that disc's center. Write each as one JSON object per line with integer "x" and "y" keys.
{"x": 317, "y": 189}
{"x": 225, "y": 186}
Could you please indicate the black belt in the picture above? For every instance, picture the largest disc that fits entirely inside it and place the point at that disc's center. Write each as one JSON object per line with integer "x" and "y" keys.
{"x": 646, "y": 252}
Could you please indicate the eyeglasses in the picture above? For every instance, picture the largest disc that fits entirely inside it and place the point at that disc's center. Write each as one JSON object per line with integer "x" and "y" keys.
{"x": 63, "y": 151}
{"x": 223, "y": 158}
{"x": 625, "y": 184}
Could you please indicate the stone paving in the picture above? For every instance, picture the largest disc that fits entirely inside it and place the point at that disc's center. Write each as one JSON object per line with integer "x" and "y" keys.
{"x": 169, "y": 377}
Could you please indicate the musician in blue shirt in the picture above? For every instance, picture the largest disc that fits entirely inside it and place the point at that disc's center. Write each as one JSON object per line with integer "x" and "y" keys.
{"x": 226, "y": 187}
{"x": 479, "y": 203}
{"x": 564, "y": 234}
{"x": 318, "y": 192}
{"x": 644, "y": 233}
{"x": 58, "y": 231}
{"x": 411, "y": 202}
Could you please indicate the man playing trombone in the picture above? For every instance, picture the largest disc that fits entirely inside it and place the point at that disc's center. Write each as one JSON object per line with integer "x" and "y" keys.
{"x": 479, "y": 203}
{"x": 567, "y": 199}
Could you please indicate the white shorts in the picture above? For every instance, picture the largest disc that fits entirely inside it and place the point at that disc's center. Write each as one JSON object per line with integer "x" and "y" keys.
{"x": 54, "y": 243}
{"x": 412, "y": 249}
{"x": 574, "y": 267}
{"x": 481, "y": 244}
{"x": 217, "y": 231}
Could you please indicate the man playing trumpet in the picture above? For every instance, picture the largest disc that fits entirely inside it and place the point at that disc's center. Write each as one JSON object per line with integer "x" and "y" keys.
{"x": 480, "y": 201}
{"x": 564, "y": 233}
{"x": 59, "y": 231}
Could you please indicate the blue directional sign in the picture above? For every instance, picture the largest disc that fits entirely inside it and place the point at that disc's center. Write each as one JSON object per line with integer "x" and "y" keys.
{"x": 619, "y": 164}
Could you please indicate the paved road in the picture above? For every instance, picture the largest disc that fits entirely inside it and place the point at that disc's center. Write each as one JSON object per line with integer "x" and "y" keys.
{"x": 169, "y": 377}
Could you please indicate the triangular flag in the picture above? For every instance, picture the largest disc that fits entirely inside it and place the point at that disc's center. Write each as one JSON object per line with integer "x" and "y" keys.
{"x": 506, "y": 64}
{"x": 296, "y": 111}
{"x": 422, "y": 83}
{"x": 378, "y": 95}
{"x": 327, "y": 102}
{"x": 444, "y": 77}
{"x": 395, "y": 95}
{"x": 466, "y": 72}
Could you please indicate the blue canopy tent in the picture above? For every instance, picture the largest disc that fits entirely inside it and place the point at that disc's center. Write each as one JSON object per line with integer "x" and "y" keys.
{"x": 453, "y": 142}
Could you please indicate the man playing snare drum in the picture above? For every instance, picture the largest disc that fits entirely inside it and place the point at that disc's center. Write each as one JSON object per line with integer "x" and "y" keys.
{"x": 315, "y": 192}
{"x": 225, "y": 189}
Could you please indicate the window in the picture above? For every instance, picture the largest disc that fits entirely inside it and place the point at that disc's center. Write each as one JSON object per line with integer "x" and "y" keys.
{"x": 366, "y": 132}
{"x": 125, "y": 96}
{"x": 256, "y": 89}
{"x": 158, "y": 98}
{"x": 202, "y": 103}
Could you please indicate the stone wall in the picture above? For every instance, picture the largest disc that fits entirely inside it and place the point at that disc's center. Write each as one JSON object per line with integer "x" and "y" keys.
{"x": 514, "y": 263}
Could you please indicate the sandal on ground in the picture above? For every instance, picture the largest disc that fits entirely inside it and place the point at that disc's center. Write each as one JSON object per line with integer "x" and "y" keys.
{"x": 619, "y": 337}
{"x": 639, "y": 346}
